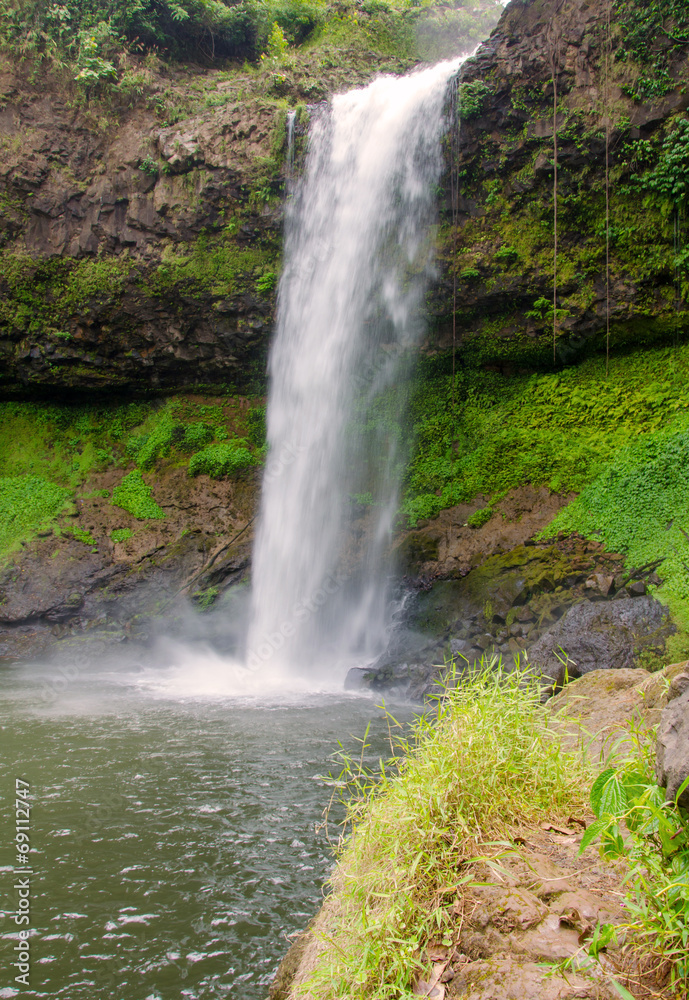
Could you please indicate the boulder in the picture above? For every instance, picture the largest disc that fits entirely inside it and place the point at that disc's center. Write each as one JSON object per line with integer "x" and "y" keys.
{"x": 606, "y": 635}
{"x": 672, "y": 753}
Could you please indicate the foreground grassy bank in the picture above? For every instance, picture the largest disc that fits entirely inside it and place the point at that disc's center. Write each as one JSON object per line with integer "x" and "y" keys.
{"x": 454, "y": 802}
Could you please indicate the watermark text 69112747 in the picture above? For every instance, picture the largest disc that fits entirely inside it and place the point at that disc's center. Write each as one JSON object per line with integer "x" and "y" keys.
{"x": 22, "y": 881}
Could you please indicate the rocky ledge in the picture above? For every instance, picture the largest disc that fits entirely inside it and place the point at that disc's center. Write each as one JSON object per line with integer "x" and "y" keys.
{"x": 568, "y": 607}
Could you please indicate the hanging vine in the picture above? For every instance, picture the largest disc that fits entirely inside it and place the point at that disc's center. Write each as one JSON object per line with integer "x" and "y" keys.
{"x": 608, "y": 45}
{"x": 554, "y": 38}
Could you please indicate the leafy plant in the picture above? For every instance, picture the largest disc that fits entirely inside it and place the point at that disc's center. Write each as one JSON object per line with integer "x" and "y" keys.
{"x": 637, "y": 825}
{"x": 197, "y": 436}
{"x": 266, "y": 283}
{"x": 149, "y": 166}
{"x": 121, "y": 534}
{"x": 472, "y": 98}
{"x": 27, "y": 503}
{"x": 508, "y": 254}
{"x": 480, "y": 517}
{"x": 84, "y": 536}
{"x": 134, "y": 496}
{"x": 224, "y": 459}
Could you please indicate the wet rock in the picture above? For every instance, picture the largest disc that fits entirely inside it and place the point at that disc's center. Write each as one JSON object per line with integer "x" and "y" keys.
{"x": 601, "y": 636}
{"x": 672, "y": 754}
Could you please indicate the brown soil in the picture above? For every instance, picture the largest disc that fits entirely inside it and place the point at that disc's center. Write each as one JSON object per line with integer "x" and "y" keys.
{"x": 448, "y": 547}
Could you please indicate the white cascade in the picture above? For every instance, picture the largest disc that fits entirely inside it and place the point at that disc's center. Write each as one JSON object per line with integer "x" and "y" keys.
{"x": 358, "y": 258}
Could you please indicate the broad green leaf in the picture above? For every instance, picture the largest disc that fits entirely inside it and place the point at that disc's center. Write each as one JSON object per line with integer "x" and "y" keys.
{"x": 592, "y": 831}
{"x": 597, "y": 789}
{"x": 613, "y": 798}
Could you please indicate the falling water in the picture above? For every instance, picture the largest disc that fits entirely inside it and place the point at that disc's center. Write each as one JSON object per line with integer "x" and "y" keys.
{"x": 359, "y": 256}
{"x": 289, "y": 135}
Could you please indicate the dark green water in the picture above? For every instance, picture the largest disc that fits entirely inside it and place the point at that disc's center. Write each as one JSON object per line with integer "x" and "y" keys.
{"x": 173, "y": 840}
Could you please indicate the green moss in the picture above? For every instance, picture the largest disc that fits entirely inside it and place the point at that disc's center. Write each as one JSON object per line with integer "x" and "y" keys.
{"x": 211, "y": 264}
{"x": 63, "y": 443}
{"x": 41, "y": 295}
{"x": 548, "y": 429}
{"x": 27, "y": 504}
{"x": 639, "y": 505}
{"x": 134, "y": 496}
{"x": 219, "y": 460}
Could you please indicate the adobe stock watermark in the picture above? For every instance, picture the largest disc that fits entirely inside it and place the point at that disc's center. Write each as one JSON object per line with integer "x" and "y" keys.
{"x": 22, "y": 881}
{"x": 63, "y": 674}
{"x": 280, "y": 460}
{"x": 272, "y": 642}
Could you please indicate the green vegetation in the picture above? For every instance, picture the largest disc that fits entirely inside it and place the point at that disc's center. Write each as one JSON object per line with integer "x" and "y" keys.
{"x": 27, "y": 504}
{"x": 667, "y": 160}
{"x": 472, "y": 98}
{"x": 121, "y": 534}
{"x": 639, "y": 505}
{"x": 636, "y": 825}
{"x": 424, "y": 827}
{"x": 91, "y": 34}
{"x": 215, "y": 264}
{"x": 553, "y": 429}
{"x": 205, "y": 599}
{"x": 650, "y": 31}
{"x": 224, "y": 459}
{"x": 93, "y": 39}
{"x": 83, "y": 536}
{"x": 480, "y": 517}
{"x": 134, "y": 496}
{"x": 41, "y": 294}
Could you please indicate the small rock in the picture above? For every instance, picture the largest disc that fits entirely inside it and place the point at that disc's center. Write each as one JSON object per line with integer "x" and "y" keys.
{"x": 356, "y": 679}
{"x": 636, "y": 589}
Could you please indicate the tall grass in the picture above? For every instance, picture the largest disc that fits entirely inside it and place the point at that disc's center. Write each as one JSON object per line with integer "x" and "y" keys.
{"x": 421, "y": 830}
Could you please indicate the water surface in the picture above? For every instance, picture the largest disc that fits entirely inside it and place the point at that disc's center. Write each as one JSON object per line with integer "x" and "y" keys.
{"x": 173, "y": 839}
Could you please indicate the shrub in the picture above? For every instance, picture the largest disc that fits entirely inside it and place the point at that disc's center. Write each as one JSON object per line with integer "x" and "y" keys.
{"x": 224, "y": 459}
{"x": 134, "y": 496}
{"x": 196, "y": 436}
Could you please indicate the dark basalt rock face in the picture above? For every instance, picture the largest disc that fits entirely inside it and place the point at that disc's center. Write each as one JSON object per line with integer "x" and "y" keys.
{"x": 672, "y": 760}
{"x": 135, "y": 257}
{"x": 562, "y": 607}
{"x": 503, "y": 168}
{"x": 135, "y": 253}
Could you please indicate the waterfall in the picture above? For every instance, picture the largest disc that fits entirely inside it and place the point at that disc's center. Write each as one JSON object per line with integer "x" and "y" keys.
{"x": 358, "y": 258}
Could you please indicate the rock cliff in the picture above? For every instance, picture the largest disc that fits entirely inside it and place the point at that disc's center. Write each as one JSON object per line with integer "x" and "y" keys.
{"x": 141, "y": 241}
